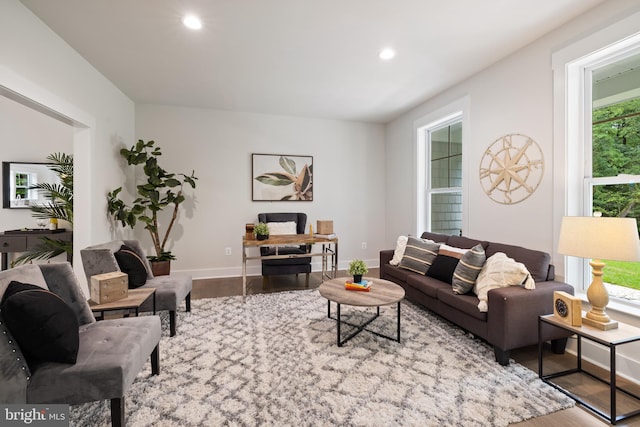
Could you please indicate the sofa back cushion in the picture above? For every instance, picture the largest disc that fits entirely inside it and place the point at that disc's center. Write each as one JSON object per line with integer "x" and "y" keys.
{"x": 537, "y": 262}
{"x": 438, "y": 238}
{"x": 465, "y": 242}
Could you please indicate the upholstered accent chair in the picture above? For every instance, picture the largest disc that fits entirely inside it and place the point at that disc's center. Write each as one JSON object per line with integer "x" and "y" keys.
{"x": 110, "y": 353}
{"x": 171, "y": 290}
{"x": 275, "y": 267}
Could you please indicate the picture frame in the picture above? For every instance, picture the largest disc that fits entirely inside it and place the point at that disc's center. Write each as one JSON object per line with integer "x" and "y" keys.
{"x": 281, "y": 177}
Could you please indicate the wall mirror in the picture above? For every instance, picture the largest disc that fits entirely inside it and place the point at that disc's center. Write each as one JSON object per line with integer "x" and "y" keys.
{"x": 18, "y": 177}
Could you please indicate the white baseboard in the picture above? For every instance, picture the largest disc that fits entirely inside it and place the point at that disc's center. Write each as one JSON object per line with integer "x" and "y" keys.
{"x": 253, "y": 269}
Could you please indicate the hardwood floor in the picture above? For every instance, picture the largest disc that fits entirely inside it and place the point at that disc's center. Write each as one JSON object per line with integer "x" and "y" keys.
{"x": 528, "y": 357}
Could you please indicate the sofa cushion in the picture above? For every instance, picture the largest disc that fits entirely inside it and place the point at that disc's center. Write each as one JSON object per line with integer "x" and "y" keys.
{"x": 419, "y": 254}
{"x": 436, "y": 237}
{"x": 398, "y": 253}
{"x": 112, "y": 353}
{"x": 44, "y": 326}
{"x": 467, "y": 270}
{"x": 466, "y": 303}
{"x": 427, "y": 285}
{"x": 465, "y": 242}
{"x": 445, "y": 263}
{"x": 131, "y": 264}
{"x": 395, "y": 273}
{"x": 537, "y": 262}
{"x": 498, "y": 272}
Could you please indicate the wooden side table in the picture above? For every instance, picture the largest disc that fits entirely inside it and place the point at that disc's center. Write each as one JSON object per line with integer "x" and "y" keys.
{"x": 611, "y": 339}
{"x": 133, "y": 301}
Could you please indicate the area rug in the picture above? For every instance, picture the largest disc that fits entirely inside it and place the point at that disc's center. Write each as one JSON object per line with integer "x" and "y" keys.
{"x": 272, "y": 360}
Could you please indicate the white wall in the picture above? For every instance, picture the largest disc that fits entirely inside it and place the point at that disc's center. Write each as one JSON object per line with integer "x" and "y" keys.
{"x": 37, "y": 63}
{"x": 28, "y": 136}
{"x": 348, "y": 165}
{"x": 514, "y": 95}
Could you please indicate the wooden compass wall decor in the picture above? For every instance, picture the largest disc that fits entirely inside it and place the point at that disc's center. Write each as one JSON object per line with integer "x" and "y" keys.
{"x": 511, "y": 169}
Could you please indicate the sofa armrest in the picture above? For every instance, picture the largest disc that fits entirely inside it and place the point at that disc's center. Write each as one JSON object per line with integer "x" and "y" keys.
{"x": 386, "y": 256}
{"x": 513, "y": 314}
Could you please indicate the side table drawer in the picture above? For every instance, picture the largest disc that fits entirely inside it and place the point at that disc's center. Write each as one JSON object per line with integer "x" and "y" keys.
{"x": 13, "y": 243}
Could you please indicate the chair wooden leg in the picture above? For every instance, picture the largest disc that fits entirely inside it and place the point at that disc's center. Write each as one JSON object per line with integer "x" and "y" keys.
{"x": 265, "y": 282}
{"x": 172, "y": 323}
{"x": 155, "y": 360}
{"x": 187, "y": 301}
{"x": 117, "y": 412}
{"x": 306, "y": 280}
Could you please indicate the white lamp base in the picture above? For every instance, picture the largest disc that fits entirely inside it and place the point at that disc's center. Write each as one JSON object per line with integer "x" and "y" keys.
{"x": 599, "y": 298}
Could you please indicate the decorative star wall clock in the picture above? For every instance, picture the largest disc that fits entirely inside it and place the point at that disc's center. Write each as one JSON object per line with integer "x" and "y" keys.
{"x": 511, "y": 169}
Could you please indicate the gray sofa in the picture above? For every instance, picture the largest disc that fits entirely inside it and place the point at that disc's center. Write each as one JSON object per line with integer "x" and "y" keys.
{"x": 512, "y": 318}
{"x": 110, "y": 353}
{"x": 171, "y": 290}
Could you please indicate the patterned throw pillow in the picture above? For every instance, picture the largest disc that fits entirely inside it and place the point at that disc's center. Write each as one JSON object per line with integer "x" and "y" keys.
{"x": 419, "y": 254}
{"x": 467, "y": 270}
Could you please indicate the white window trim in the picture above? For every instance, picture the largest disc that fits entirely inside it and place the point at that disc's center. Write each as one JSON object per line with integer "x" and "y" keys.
{"x": 571, "y": 106}
{"x": 456, "y": 110}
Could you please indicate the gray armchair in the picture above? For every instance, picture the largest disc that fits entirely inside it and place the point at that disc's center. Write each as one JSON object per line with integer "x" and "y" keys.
{"x": 110, "y": 354}
{"x": 171, "y": 290}
{"x": 274, "y": 267}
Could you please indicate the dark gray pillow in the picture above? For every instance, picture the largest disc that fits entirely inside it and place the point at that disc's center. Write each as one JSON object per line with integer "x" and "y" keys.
{"x": 467, "y": 270}
{"x": 44, "y": 326}
{"x": 131, "y": 264}
{"x": 419, "y": 254}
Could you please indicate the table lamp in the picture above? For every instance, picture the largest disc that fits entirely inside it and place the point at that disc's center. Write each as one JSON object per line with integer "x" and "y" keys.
{"x": 599, "y": 238}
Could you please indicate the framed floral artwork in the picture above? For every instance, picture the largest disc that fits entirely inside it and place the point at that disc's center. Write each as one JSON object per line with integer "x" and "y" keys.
{"x": 281, "y": 177}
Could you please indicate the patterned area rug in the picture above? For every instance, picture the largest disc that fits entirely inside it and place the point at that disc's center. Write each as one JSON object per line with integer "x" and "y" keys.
{"x": 273, "y": 360}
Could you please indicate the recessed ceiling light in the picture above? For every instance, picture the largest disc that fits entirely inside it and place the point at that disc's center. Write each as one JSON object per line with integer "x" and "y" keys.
{"x": 387, "y": 53}
{"x": 192, "y": 21}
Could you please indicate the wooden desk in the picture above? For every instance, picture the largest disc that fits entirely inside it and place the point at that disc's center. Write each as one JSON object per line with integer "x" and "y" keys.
{"x": 24, "y": 240}
{"x": 329, "y": 249}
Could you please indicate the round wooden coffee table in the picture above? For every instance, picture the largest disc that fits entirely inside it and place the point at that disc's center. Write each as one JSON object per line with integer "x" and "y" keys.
{"x": 383, "y": 292}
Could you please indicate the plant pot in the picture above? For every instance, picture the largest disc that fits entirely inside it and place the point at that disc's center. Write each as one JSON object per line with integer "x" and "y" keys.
{"x": 262, "y": 236}
{"x": 357, "y": 278}
{"x": 160, "y": 268}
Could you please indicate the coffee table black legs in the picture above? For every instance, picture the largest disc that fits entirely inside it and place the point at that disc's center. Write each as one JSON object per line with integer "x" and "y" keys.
{"x": 361, "y": 327}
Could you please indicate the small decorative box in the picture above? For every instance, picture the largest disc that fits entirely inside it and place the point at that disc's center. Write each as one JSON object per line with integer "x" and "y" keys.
{"x": 109, "y": 287}
{"x": 324, "y": 227}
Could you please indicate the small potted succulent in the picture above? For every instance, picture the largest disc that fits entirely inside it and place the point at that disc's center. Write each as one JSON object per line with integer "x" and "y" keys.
{"x": 357, "y": 268}
{"x": 261, "y": 230}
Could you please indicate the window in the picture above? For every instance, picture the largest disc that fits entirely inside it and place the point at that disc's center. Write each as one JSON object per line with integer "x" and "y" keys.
{"x": 612, "y": 182}
{"x": 595, "y": 85}
{"x": 443, "y": 176}
{"x": 22, "y": 183}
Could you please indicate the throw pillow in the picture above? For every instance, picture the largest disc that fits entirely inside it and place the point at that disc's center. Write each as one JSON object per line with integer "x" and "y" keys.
{"x": 498, "y": 272}
{"x": 467, "y": 270}
{"x": 445, "y": 263}
{"x": 44, "y": 326}
{"x": 277, "y": 228}
{"x": 401, "y": 244}
{"x": 131, "y": 264}
{"x": 419, "y": 254}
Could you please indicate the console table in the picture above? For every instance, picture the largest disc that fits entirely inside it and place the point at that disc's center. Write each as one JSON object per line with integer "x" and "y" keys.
{"x": 24, "y": 240}
{"x": 611, "y": 339}
{"x": 329, "y": 250}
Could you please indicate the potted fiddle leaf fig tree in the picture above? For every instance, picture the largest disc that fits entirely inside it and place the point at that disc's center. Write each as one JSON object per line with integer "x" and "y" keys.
{"x": 160, "y": 190}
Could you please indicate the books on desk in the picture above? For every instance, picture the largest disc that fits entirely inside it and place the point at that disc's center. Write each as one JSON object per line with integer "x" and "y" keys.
{"x": 363, "y": 285}
{"x": 325, "y": 236}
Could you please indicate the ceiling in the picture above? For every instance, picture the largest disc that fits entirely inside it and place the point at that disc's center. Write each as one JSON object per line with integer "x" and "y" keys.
{"x": 315, "y": 58}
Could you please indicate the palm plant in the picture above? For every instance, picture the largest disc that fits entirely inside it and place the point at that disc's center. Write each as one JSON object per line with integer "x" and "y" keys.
{"x": 58, "y": 206}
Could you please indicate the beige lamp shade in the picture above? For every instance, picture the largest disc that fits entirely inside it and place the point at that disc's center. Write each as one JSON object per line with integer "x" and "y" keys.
{"x": 600, "y": 238}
